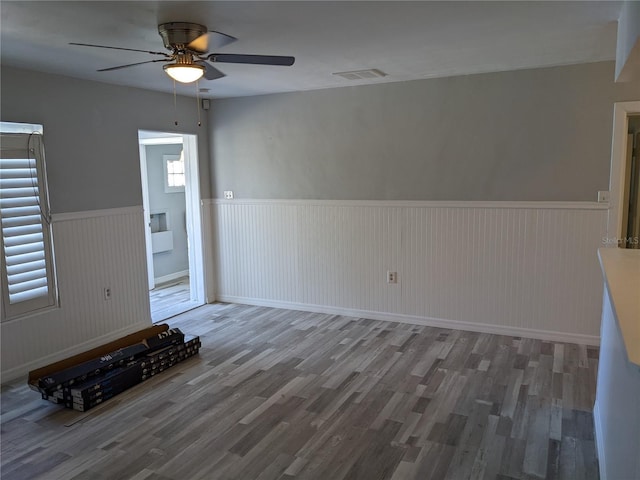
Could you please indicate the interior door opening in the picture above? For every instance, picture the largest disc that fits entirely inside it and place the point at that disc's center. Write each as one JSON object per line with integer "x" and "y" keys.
{"x": 173, "y": 224}
{"x": 631, "y": 205}
{"x": 623, "y": 179}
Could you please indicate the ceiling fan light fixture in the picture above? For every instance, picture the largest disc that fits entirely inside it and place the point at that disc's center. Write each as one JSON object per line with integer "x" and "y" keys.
{"x": 184, "y": 73}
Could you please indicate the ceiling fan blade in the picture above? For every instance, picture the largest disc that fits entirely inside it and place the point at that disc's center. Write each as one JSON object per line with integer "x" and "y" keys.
{"x": 210, "y": 72}
{"x": 252, "y": 59}
{"x": 120, "y": 48}
{"x": 131, "y": 65}
{"x": 219, "y": 39}
{"x": 211, "y": 39}
{"x": 200, "y": 44}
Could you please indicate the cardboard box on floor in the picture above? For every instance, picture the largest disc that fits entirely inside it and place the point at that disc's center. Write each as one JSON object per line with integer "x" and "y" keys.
{"x": 136, "y": 337}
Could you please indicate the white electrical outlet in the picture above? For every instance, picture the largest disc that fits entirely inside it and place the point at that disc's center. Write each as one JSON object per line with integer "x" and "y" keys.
{"x": 603, "y": 196}
{"x": 392, "y": 277}
{"x": 107, "y": 293}
{"x": 228, "y": 194}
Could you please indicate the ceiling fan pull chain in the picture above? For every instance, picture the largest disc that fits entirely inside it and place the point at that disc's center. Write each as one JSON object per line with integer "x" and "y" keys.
{"x": 198, "y": 102}
{"x": 175, "y": 105}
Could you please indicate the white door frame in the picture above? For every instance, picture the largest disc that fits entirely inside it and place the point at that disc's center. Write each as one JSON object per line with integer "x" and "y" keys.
{"x": 194, "y": 218}
{"x": 197, "y": 286}
{"x": 147, "y": 214}
{"x": 621, "y": 112}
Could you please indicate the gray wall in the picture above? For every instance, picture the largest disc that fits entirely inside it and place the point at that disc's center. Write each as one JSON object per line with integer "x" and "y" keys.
{"x": 628, "y": 39}
{"x": 91, "y": 135}
{"x": 541, "y": 134}
{"x": 176, "y": 260}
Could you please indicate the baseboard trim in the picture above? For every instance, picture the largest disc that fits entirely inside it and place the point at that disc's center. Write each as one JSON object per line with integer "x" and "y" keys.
{"x": 22, "y": 370}
{"x": 599, "y": 441}
{"x": 566, "y": 337}
{"x": 171, "y": 276}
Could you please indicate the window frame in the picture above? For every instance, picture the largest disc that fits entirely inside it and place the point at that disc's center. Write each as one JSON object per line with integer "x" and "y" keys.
{"x": 16, "y": 137}
{"x": 165, "y": 164}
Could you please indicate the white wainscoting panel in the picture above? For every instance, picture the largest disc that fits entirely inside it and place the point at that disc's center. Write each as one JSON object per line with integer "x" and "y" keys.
{"x": 93, "y": 250}
{"x": 517, "y": 268}
{"x": 269, "y": 271}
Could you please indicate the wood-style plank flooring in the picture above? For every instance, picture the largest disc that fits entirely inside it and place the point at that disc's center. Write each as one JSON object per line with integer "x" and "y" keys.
{"x": 170, "y": 299}
{"x": 277, "y": 394}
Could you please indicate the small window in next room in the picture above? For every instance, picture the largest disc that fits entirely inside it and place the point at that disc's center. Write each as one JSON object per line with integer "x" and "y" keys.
{"x": 174, "y": 177}
{"x": 26, "y": 261}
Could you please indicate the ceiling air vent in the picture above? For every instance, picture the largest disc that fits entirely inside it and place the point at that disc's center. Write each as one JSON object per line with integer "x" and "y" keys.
{"x": 361, "y": 74}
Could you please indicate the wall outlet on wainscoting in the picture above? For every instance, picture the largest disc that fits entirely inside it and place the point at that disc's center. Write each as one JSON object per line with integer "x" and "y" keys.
{"x": 107, "y": 293}
{"x": 392, "y": 277}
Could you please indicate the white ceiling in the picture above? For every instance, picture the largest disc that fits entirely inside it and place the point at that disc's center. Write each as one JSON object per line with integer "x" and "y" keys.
{"x": 407, "y": 40}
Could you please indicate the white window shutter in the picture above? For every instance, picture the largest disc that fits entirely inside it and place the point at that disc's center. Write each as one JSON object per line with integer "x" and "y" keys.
{"x": 27, "y": 257}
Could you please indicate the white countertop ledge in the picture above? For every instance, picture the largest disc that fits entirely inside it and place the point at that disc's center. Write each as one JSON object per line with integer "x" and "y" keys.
{"x": 621, "y": 269}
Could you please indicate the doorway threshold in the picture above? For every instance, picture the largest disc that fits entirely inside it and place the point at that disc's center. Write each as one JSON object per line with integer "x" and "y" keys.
{"x": 171, "y": 299}
{"x": 173, "y": 311}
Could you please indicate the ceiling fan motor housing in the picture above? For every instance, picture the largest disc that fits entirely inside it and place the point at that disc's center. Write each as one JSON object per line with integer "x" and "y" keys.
{"x": 176, "y": 35}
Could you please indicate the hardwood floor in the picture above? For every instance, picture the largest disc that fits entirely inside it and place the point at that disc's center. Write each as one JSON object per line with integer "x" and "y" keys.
{"x": 276, "y": 394}
{"x": 170, "y": 299}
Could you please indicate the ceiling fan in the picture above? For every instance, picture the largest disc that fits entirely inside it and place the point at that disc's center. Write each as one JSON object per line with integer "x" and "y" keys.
{"x": 190, "y": 59}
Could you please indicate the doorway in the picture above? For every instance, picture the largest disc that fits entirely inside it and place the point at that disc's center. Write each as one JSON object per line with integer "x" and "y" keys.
{"x": 173, "y": 224}
{"x": 631, "y": 206}
{"x": 623, "y": 177}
